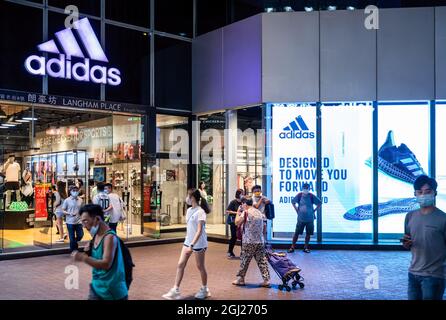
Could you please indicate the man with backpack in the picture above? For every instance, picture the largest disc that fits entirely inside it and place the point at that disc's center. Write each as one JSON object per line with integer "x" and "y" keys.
{"x": 305, "y": 210}
{"x": 109, "y": 257}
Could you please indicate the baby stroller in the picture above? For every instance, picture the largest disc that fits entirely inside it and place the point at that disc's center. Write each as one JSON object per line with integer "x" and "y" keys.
{"x": 285, "y": 269}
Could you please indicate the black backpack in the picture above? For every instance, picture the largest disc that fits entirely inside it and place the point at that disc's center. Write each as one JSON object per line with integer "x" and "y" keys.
{"x": 128, "y": 263}
{"x": 269, "y": 211}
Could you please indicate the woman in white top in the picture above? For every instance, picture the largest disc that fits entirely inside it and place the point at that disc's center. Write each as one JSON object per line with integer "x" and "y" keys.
{"x": 202, "y": 189}
{"x": 195, "y": 242}
{"x": 60, "y": 195}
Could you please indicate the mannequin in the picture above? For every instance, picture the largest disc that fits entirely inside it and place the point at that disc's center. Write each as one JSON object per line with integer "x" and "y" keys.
{"x": 27, "y": 188}
{"x": 12, "y": 170}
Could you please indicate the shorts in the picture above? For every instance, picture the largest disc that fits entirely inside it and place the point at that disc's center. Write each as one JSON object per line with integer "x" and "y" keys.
{"x": 197, "y": 249}
{"x": 13, "y": 185}
{"x": 59, "y": 213}
{"x": 308, "y": 226}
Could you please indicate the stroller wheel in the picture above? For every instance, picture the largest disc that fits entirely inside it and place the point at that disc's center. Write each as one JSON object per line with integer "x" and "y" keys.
{"x": 301, "y": 285}
{"x": 280, "y": 287}
{"x": 288, "y": 288}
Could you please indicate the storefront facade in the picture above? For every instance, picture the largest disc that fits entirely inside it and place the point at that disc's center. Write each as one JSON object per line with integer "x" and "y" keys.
{"x": 338, "y": 102}
{"x": 80, "y": 99}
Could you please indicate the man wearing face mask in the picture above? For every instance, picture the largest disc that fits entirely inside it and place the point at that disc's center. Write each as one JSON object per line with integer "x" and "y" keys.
{"x": 305, "y": 215}
{"x": 104, "y": 255}
{"x": 70, "y": 208}
{"x": 425, "y": 236}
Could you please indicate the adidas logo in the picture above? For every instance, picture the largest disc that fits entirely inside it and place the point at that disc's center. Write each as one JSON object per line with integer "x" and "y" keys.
{"x": 62, "y": 67}
{"x": 297, "y": 129}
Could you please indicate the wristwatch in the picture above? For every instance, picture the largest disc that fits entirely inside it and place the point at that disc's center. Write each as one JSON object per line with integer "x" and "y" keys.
{"x": 191, "y": 246}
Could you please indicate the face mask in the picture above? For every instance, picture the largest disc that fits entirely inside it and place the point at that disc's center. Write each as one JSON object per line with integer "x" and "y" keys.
{"x": 93, "y": 230}
{"x": 106, "y": 191}
{"x": 305, "y": 191}
{"x": 74, "y": 194}
{"x": 426, "y": 200}
{"x": 188, "y": 201}
{"x": 257, "y": 194}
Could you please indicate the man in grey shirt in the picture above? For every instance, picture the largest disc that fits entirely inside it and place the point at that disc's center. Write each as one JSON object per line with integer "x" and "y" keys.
{"x": 71, "y": 207}
{"x": 425, "y": 236}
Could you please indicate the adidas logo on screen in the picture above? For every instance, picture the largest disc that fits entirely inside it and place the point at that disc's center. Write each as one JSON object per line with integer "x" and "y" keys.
{"x": 297, "y": 129}
{"x": 62, "y": 67}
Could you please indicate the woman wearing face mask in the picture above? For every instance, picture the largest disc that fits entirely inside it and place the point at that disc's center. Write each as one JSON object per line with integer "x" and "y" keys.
{"x": 104, "y": 256}
{"x": 233, "y": 208}
{"x": 70, "y": 208}
{"x": 60, "y": 195}
{"x": 195, "y": 242}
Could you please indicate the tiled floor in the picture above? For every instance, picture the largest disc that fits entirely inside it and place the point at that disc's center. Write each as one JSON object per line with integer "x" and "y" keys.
{"x": 328, "y": 275}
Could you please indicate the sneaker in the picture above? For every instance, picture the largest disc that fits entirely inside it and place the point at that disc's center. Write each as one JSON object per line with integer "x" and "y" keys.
{"x": 398, "y": 162}
{"x": 290, "y": 250}
{"x": 231, "y": 255}
{"x": 60, "y": 240}
{"x": 306, "y": 250}
{"x": 203, "y": 293}
{"x": 239, "y": 281}
{"x": 65, "y": 236}
{"x": 394, "y": 206}
{"x": 265, "y": 284}
{"x": 173, "y": 294}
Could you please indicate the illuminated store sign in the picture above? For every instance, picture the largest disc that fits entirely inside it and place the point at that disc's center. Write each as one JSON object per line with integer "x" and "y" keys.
{"x": 62, "y": 67}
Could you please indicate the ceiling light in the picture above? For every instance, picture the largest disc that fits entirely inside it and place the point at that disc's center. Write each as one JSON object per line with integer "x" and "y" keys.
{"x": 269, "y": 9}
{"x": 2, "y": 114}
{"x": 308, "y": 9}
{"x": 331, "y": 8}
{"x": 8, "y": 125}
{"x": 288, "y": 9}
{"x": 22, "y": 120}
{"x": 351, "y": 8}
{"x": 29, "y": 118}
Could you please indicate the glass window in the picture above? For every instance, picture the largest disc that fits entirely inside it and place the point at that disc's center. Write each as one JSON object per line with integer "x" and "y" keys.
{"x": 174, "y": 16}
{"x": 92, "y": 7}
{"x": 133, "y": 64}
{"x": 122, "y": 11}
{"x": 71, "y": 87}
{"x": 20, "y": 38}
{"x": 171, "y": 173}
{"x": 211, "y": 15}
{"x": 403, "y": 142}
{"x": 173, "y": 73}
{"x": 250, "y": 149}
{"x": 211, "y": 169}
{"x": 347, "y": 172}
{"x": 440, "y": 116}
{"x": 293, "y": 161}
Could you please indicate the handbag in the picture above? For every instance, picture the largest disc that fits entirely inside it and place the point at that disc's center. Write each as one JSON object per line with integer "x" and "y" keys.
{"x": 241, "y": 228}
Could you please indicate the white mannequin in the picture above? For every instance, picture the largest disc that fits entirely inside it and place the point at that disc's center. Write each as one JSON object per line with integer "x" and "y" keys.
{"x": 27, "y": 188}
{"x": 12, "y": 171}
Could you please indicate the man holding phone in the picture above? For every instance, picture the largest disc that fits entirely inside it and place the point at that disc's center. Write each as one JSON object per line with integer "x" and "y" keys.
{"x": 425, "y": 236}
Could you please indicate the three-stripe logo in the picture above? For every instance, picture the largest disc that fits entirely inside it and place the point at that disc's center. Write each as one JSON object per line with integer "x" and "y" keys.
{"x": 62, "y": 66}
{"x": 297, "y": 129}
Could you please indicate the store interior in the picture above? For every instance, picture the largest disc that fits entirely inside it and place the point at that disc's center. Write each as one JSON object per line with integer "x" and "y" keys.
{"x": 40, "y": 147}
